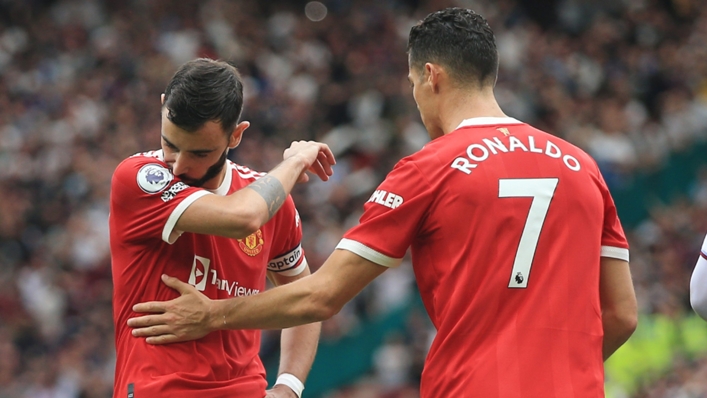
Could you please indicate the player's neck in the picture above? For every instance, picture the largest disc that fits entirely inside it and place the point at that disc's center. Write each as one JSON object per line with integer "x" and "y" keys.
{"x": 461, "y": 105}
{"x": 214, "y": 183}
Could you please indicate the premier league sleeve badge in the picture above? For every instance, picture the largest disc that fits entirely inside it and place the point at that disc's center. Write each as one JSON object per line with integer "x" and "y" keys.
{"x": 153, "y": 178}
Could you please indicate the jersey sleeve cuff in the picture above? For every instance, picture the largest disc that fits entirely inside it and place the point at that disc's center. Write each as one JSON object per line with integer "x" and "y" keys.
{"x": 368, "y": 253}
{"x": 169, "y": 234}
{"x": 614, "y": 252}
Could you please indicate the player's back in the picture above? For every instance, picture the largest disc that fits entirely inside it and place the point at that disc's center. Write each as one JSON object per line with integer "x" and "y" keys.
{"x": 507, "y": 260}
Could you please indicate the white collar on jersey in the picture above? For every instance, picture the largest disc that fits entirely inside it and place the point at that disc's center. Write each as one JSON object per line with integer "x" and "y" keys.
{"x": 488, "y": 120}
{"x": 225, "y": 184}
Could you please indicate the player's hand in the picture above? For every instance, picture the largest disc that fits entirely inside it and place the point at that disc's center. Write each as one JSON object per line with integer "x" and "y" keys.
{"x": 185, "y": 318}
{"x": 280, "y": 391}
{"x": 316, "y": 155}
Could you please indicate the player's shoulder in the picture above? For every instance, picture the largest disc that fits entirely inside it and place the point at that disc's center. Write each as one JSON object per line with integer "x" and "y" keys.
{"x": 142, "y": 158}
{"x": 555, "y": 139}
{"x": 243, "y": 173}
{"x": 147, "y": 168}
{"x": 551, "y": 141}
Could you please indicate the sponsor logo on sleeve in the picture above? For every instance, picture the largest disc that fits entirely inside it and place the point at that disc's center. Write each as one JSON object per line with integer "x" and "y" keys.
{"x": 153, "y": 178}
{"x": 173, "y": 191}
{"x": 387, "y": 199}
{"x": 252, "y": 244}
{"x": 287, "y": 261}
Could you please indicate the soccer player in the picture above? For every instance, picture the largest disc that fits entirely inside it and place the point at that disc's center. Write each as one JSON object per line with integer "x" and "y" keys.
{"x": 698, "y": 284}
{"x": 187, "y": 211}
{"x": 518, "y": 252}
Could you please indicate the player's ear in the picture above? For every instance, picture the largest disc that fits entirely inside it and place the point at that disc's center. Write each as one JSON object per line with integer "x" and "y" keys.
{"x": 237, "y": 134}
{"x": 162, "y": 99}
{"x": 434, "y": 74}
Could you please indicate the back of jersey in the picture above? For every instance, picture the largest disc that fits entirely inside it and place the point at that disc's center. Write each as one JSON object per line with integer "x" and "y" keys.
{"x": 507, "y": 260}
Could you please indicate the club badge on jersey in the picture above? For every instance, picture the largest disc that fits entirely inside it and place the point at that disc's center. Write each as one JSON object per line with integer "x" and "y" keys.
{"x": 252, "y": 244}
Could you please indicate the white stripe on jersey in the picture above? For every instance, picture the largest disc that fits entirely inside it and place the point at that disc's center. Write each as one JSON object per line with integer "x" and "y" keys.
{"x": 157, "y": 154}
{"x": 169, "y": 234}
{"x": 614, "y": 252}
{"x": 368, "y": 253}
{"x": 245, "y": 172}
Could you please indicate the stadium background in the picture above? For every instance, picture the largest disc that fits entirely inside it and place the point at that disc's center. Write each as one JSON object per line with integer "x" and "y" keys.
{"x": 79, "y": 91}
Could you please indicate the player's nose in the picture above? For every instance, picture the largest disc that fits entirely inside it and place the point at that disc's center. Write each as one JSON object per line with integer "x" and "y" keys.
{"x": 179, "y": 165}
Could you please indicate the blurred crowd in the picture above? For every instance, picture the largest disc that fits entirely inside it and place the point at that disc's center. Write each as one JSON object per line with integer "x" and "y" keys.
{"x": 80, "y": 82}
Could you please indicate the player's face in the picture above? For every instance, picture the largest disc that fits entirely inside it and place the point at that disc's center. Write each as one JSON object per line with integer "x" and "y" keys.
{"x": 197, "y": 158}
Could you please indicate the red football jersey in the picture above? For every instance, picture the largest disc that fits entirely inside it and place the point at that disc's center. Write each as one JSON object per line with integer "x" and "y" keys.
{"x": 506, "y": 226}
{"x": 146, "y": 202}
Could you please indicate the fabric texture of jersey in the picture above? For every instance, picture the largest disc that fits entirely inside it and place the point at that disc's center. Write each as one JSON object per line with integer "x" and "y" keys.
{"x": 506, "y": 226}
{"x": 146, "y": 202}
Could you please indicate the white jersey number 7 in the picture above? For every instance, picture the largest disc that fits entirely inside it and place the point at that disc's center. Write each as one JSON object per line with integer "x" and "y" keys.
{"x": 542, "y": 191}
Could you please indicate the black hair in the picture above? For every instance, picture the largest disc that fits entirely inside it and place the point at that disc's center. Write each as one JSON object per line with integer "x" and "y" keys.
{"x": 204, "y": 90}
{"x": 458, "y": 39}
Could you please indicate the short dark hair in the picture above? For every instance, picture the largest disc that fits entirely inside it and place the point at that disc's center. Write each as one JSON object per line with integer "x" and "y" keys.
{"x": 204, "y": 90}
{"x": 458, "y": 39}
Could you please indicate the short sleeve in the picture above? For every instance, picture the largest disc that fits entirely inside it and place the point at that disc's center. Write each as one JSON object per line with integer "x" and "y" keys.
{"x": 146, "y": 200}
{"x": 392, "y": 216}
{"x": 288, "y": 256}
{"x": 613, "y": 239}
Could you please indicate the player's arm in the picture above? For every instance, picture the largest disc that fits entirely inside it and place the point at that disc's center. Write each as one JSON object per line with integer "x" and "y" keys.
{"x": 243, "y": 212}
{"x": 298, "y": 345}
{"x": 698, "y": 284}
{"x": 314, "y": 298}
{"x": 618, "y": 304}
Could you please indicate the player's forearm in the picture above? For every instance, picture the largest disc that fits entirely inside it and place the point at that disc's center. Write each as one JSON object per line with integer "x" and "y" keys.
{"x": 311, "y": 299}
{"x": 248, "y": 209}
{"x": 619, "y": 309}
{"x": 297, "y": 303}
{"x": 298, "y": 346}
{"x": 618, "y": 327}
{"x": 276, "y": 185}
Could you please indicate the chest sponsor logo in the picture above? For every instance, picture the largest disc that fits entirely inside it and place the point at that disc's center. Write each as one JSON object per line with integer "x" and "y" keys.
{"x": 287, "y": 261}
{"x": 252, "y": 244}
{"x": 202, "y": 275}
{"x": 153, "y": 178}
{"x": 173, "y": 191}
{"x": 387, "y": 199}
{"x": 199, "y": 272}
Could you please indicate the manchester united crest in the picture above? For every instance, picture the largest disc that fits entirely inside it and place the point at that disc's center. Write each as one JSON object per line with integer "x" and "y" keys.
{"x": 252, "y": 244}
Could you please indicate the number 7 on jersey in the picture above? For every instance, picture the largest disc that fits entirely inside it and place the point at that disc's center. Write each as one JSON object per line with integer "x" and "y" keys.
{"x": 541, "y": 190}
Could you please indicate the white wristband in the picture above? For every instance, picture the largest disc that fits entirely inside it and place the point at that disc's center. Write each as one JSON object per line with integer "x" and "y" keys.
{"x": 291, "y": 381}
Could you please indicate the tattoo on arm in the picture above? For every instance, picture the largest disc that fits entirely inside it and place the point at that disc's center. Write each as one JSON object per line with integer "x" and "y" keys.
{"x": 270, "y": 189}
